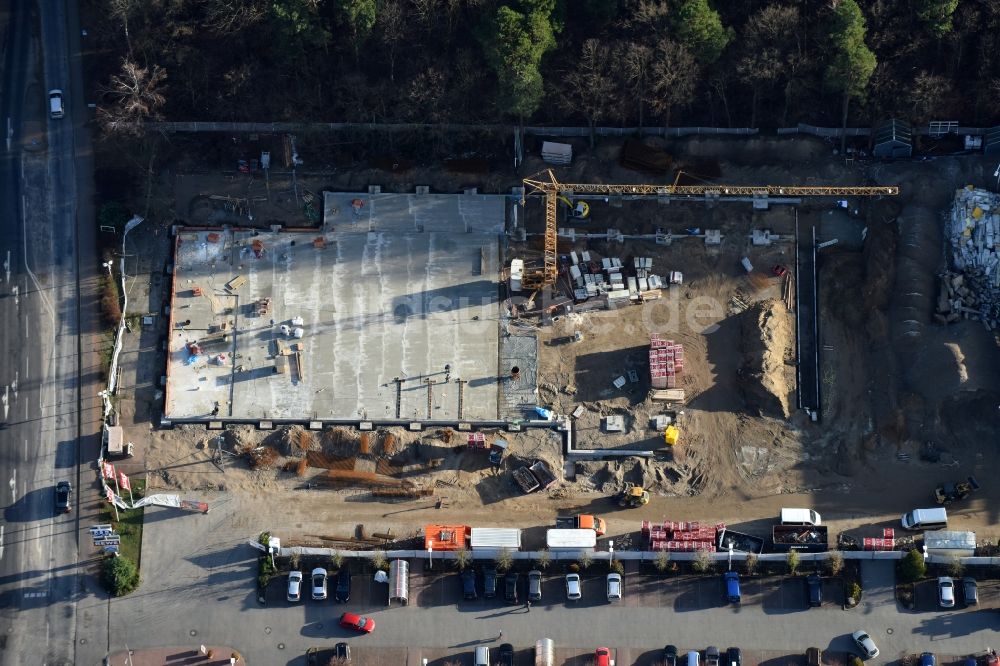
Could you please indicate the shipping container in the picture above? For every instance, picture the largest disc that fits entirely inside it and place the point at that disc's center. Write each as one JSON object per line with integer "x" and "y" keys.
{"x": 560, "y": 539}
{"x": 495, "y": 537}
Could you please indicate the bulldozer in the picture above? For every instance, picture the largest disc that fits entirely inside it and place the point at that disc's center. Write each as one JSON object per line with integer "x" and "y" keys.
{"x": 946, "y": 493}
{"x": 633, "y": 496}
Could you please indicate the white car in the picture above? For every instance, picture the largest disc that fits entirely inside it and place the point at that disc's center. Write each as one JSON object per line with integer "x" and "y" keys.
{"x": 946, "y": 592}
{"x": 865, "y": 644}
{"x": 573, "y": 591}
{"x": 294, "y": 585}
{"x": 319, "y": 584}
{"x": 614, "y": 587}
{"x": 56, "y": 104}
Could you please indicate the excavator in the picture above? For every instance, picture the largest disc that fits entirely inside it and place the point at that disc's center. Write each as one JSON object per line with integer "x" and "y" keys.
{"x": 577, "y": 211}
{"x": 633, "y": 496}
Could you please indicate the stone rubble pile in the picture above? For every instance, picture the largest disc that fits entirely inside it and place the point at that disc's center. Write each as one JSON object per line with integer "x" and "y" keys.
{"x": 972, "y": 289}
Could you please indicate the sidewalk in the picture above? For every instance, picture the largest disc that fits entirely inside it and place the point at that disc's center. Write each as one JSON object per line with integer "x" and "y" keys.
{"x": 174, "y": 656}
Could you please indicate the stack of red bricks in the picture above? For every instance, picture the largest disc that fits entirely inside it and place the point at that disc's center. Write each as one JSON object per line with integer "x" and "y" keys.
{"x": 666, "y": 361}
{"x": 887, "y": 542}
{"x": 680, "y": 536}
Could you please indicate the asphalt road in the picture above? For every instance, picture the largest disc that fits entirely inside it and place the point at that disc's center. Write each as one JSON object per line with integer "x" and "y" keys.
{"x": 40, "y": 339}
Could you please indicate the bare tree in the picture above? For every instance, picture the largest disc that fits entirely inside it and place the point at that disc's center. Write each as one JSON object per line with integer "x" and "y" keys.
{"x": 590, "y": 88}
{"x": 930, "y": 96}
{"x": 634, "y": 60}
{"x": 123, "y": 11}
{"x": 392, "y": 22}
{"x": 135, "y": 97}
{"x": 673, "y": 77}
{"x": 231, "y": 17}
{"x": 771, "y": 50}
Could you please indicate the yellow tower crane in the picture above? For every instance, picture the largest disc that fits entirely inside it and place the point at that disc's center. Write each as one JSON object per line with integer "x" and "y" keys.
{"x": 553, "y": 190}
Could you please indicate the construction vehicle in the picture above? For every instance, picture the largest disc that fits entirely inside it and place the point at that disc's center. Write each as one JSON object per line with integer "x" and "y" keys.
{"x": 579, "y": 210}
{"x": 633, "y": 496}
{"x": 552, "y": 189}
{"x": 946, "y": 493}
{"x": 583, "y": 521}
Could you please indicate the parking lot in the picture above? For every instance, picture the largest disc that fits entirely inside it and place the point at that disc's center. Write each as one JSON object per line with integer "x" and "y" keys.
{"x": 925, "y": 596}
{"x": 431, "y": 589}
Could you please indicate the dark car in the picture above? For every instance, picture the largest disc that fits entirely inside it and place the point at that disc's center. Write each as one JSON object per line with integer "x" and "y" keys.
{"x": 814, "y": 590}
{"x": 734, "y": 657}
{"x": 732, "y": 583}
{"x": 469, "y": 585}
{"x": 506, "y": 655}
{"x": 970, "y": 591}
{"x": 342, "y": 651}
{"x": 489, "y": 582}
{"x": 712, "y": 656}
{"x": 510, "y": 587}
{"x": 670, "y": 655}
{"x": 343, "y": 592}
{"x": 928, "y": 659}
{"x": 64, "y": 492}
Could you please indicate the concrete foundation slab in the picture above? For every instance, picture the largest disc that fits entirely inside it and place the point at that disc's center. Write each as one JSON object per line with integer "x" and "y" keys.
{"x": 388, "y": 313}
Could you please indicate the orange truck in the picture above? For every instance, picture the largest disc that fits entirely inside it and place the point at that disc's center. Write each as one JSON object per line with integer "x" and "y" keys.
{"x": 583, "y": 521}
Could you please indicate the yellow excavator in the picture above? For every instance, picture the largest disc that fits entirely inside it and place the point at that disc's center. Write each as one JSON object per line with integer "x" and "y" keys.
{"x": 633, "y": 496}
{"x": 577, "y": 211}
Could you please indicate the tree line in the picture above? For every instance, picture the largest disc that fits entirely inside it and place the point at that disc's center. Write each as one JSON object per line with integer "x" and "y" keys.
{"x": 617, "y": 62}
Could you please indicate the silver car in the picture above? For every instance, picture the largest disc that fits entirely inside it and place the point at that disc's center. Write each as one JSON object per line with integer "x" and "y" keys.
{"x": 294, "y": 585}
{"x": 573, "y": 592}
{"x": 319, "y": 583}
{"x": 865, "y": 643}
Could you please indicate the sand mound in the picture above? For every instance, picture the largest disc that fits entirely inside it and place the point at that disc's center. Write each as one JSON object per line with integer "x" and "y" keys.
{"x": 766, "y": 334}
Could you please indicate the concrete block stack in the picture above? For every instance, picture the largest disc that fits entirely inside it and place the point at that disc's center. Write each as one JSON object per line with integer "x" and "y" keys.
{"x": 666, "y": 361}
{"x": 680, "y": 536}
{"x": 972, "y": 290}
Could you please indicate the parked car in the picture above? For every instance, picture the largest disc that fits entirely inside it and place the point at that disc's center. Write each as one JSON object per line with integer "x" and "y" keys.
{"x": 510, "y": 587}
{"x": 732, "y": 587}
{"x": 534, "y": 585}
{"x": 734, "y": 657}
{"x": 712, "y": 656}
{"x": 319, "y": 583}
{"x": 506, "y": 654}
{"x": 343, "y": 592}
{"x": 946, "y": 592}
{"x": 64, "y": 493}
{"x": 602, "y": 657}
{"x": 357, "y": 622}
{"x": 468, "y": 577}
{"x": 614, "y": 587}
{"x": 294, "y": 585}
{"x": 970, "y": 591}
{"x": 928, "y": 659}
{"x": 342, "y": 651}
{"x": 573, "y": 591}
{"x": 865, "y": 643}
{"x": 489, "y": 582}
{"x": 481, "y": 656}
{"x": 669, "y": 657}
{"x": 814, "y": 590}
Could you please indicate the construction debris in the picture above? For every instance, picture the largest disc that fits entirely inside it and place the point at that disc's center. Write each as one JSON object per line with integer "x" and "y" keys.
{"x": 972, "y": 290}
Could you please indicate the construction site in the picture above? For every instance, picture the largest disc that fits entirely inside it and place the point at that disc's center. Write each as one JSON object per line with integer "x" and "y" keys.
{"x": 719, "y": 335}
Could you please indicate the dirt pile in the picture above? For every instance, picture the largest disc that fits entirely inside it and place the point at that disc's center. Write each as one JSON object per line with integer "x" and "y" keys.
{"x": 766, "y": 337}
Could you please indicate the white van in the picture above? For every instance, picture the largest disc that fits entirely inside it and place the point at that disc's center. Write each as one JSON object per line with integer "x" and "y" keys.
{"x": 926, "y": 519}
{"x": 483, "y": 656}
{"x": 693, "y": 658}
{"x": 56, "y": 104}
{"x": 800, "y": 517}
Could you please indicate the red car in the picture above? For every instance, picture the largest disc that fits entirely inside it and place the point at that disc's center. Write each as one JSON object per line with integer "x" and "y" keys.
{"x": 357, "y": 623}
{"x": 602, "y": 657}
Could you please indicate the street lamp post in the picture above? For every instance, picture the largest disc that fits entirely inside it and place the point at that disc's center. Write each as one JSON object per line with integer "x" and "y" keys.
{"x": 113, "y": 371}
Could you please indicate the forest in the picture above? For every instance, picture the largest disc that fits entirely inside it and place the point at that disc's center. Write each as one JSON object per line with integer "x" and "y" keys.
{"x": 728, "y": 63}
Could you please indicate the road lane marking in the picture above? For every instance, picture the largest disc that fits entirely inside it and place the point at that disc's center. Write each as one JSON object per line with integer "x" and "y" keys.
{"x": 14, "y": 383}
{"x": 6, "y": 401}
{"x": 17, "y": 296}
{"x": 6, "y": 265}
{"x": 35, "y": 595}
{"x": 27, "y": 266}
{"x": 13, "y": 485}
{"x": 1, "y": 542}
